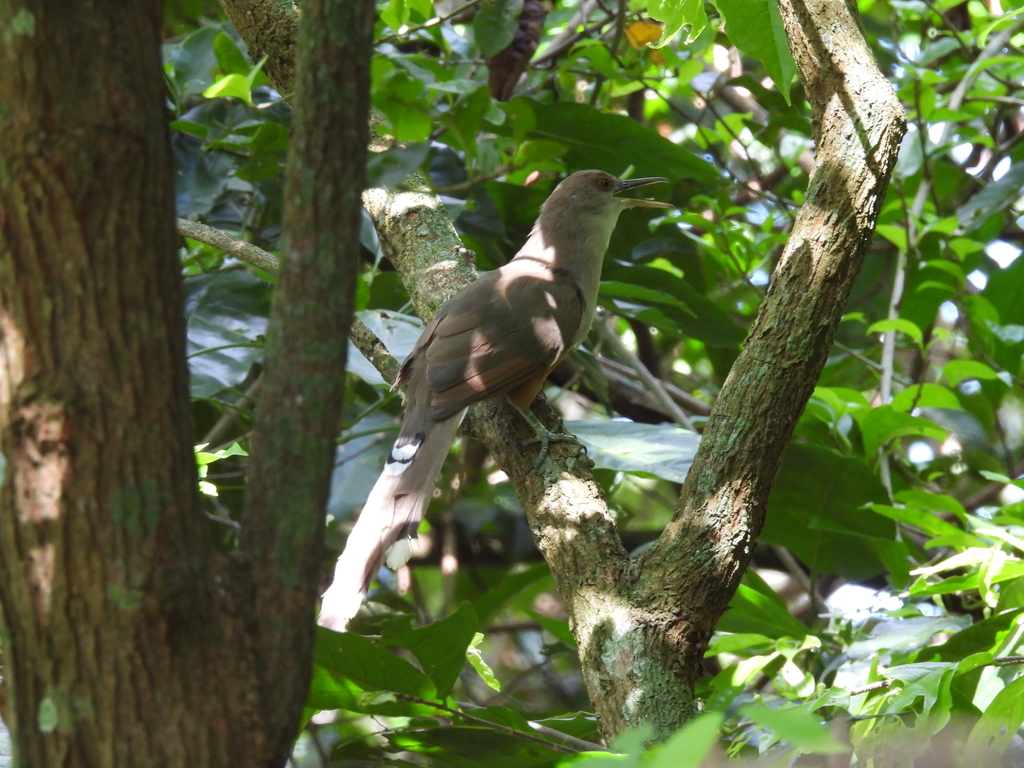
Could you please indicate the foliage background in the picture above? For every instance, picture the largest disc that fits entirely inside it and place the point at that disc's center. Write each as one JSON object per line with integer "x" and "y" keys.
{"x": 884, "y": 603}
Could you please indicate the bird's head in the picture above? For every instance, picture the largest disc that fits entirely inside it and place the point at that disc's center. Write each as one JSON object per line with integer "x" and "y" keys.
{"x": 590, "y": 193}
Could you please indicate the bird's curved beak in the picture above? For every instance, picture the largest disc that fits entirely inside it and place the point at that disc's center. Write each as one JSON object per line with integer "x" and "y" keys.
{"x": 639, "y": 202}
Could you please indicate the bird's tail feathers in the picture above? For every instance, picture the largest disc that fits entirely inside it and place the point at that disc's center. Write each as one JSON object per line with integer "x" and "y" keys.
{"x": 391, "y": 516}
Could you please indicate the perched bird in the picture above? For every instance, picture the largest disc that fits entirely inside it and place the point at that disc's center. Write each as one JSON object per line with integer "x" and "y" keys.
{"x": 501, "y": 335}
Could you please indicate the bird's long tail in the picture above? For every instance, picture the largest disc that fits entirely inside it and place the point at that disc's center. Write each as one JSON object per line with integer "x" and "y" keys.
{"x": 391, "y": 516}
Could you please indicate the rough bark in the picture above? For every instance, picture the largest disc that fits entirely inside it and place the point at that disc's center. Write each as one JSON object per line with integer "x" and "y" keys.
{"x": 642, "y": 625}
{"x": 682, "y": 584}
{"x": 297, "y": 418}
{"x": 104, "y": 558}
{"x": 127, "y": 640}
{"x": 270, "y": 29}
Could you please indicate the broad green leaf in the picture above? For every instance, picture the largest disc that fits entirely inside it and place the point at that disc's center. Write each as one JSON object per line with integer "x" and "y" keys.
{"x": 992, "y": 198}
{"x": 689, "y": 746}
{"x": 556, "y": 627}
{"x": 1005, "y": 291}
{"x": 894, "y": 234}
{"x": 930, "y": 682}
{"x": 755, "y": 608}
{"x": 439, "y": 647}
{"x": 227, "y": 313}
{"x": 927, "y": 522}
{"x": 956, "y": 371}
{"x": 614, "y": 143}
{"x": 395, "y": 14}
{"x": 231, "y": 85}
{"x": 460, "y": 746}
{"x": 995, "y": 730}
{"x": 803, "y": 730}
{"x": 613, "y": 289}
{"x": 881, "y": 425}
{"x": 229, "y": 58}
{"x": 495, "y": 25}
{"x": 397, "y": 332}
{"x": 755, "y": 27}
{"x": 816, "y": 511}
{"x": 393, "y": 166}
{"x": 369, "y": 665}
{"x": 661, "y": 450}
{"x": 901, "y": 325}
{"x": 905, "y": 634}
{"x": 925, "y": 396}
{"x": 495, "y": 599}
{"x": 748, "y": 643}
{"x": 676, "y": 14}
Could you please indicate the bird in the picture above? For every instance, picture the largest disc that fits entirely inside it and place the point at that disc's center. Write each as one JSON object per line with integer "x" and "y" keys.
{"x": 501, "y": 335}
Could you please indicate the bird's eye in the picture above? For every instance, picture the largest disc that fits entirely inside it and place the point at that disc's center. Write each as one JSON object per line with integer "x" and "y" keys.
{"x": 605, "y": 183}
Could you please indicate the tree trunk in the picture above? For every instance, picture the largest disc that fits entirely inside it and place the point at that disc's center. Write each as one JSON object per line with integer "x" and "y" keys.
{"x": 127, "y": 640}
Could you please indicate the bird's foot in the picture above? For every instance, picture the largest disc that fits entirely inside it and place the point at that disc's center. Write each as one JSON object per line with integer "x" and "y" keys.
{"x": 545, "y": 437}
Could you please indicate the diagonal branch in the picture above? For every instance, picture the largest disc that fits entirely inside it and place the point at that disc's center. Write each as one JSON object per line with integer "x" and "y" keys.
{"x": 858, "y": 126}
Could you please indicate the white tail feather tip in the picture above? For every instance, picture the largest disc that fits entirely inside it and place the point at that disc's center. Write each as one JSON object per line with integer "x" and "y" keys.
{"x": 398, "y": 554}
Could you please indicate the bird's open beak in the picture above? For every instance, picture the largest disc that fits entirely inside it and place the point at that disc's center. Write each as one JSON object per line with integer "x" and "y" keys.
{"x": 639, "y": 202}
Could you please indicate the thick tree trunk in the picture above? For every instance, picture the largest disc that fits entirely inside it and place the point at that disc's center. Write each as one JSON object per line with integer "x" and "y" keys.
{"x": 127, "y": 641}
{"x": 103, "y": 555}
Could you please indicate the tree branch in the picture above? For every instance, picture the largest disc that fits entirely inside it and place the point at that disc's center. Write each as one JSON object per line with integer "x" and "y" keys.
{"x": 297, "y": 418}
{"x": 689, "y": 575}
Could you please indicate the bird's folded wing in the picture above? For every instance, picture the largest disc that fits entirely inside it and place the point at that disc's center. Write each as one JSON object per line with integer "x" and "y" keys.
{"x": 504, "y": 340}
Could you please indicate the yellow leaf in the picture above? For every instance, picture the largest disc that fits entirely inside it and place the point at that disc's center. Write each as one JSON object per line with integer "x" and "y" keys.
{"x": 640, "y": 33}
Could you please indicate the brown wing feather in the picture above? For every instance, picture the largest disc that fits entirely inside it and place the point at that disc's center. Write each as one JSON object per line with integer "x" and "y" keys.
{"x": 503, "y": 332}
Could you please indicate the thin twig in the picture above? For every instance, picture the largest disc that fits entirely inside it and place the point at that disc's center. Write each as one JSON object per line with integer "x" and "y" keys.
{"x": 428, "y": 24}
{"x": 225, "y": 422}
{"x": 366, "y": 341}
{"x": 247, "y": 252}
{"x": 649, "y": 380}
{"x": 488, "y": 724}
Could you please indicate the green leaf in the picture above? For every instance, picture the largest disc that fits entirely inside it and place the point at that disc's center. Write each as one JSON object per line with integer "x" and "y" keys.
{"x": 495, "y": 25}
{"x": 613, "y": 289}
{"x": 457, "y": 746}
{"x": 816, "y": 511}
{"x": 395, "y": 14}
{"x": 440, "y": 647}
{"x": 227, "y": 313}
{"x": 369, "y": 665}
{"x": 675, "y": 14}
{"x": 748, "y": 644}
{"x": 925, "y": 396}
{"x": 392, "y": 167}
{"x": 901, "y": 325}
{"x": 690, "y": 744}
{"x": 961, "y": 370}
{"x": 801, "y": 729}
{"x": 755, "y": 608}
{"x": 986, "y": 635}
{"x": 229, "y": 58}
{"x": 231, "y": 85}
{"x": 993, "y": 198}
{"x": 905, "y": 634}
{"x": 613, "y": 143}
{"x": 495, "y": 599}
{"x": 881, "y": 425}
{"x": 661, "y": 450}
{"x": 556, "y": 627}
{"x": 894, "y": 234}
{"x": 476, "y": 660}
{"x": 755, "y": 27}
